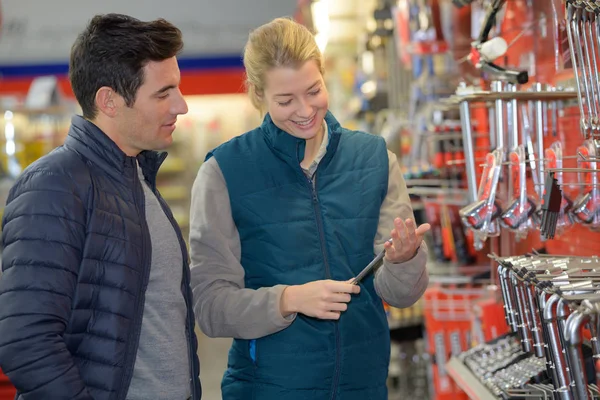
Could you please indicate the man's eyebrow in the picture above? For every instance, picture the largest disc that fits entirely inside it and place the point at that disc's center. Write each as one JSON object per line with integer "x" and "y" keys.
{"x": 164, "y": 89}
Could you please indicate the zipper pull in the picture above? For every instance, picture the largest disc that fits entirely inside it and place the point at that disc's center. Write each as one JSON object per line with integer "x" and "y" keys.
{"x": 312, "y": 189}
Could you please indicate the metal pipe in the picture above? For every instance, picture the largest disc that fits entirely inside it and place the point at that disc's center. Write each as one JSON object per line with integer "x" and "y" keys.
{"x": 513, "y": 137}
{"x": 543, "y": 297}
{"x": 523, "y": 326}
{"x": 465, "y": 121}
{"x": 499, "y": 117}
{"x": 563, "y": 379}
{"x": 492, "y": 125}
{"x": 479, "y": 96}
{"x": 593, "y": 327}
{"x": 509, "y": 120}
{"x": 554, "y": 115}
{"x": 511, "y": 303}
{"x": 539, "y": 127}
{"x": 536, "y": 324}
{"x": 518, "y": 317}
{"x": 574, "y": 340}
{"x": 505, "y": 296}
{"x": 528, "y": 319}
{"x": 562, "y": 313}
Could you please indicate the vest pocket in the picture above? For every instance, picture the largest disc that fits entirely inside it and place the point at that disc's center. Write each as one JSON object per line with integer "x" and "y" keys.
{"x": 252, "y": 350}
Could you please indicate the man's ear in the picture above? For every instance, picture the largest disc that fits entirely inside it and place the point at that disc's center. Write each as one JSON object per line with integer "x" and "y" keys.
{"x": 108, "y": 101}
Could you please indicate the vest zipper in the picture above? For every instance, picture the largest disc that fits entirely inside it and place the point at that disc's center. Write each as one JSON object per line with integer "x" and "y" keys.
{"x": 319, "y": 218}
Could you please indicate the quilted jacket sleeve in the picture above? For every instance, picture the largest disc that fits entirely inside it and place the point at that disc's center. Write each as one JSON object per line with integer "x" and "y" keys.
{"x": 44, "y": 229}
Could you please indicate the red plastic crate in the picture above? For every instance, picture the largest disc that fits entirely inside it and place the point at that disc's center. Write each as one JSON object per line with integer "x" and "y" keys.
{"x": 7, "y": 390}
{"x": 448, "y": 322}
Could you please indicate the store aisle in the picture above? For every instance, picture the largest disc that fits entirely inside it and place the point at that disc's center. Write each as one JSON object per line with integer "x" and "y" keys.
{"x": 213, "y": 361}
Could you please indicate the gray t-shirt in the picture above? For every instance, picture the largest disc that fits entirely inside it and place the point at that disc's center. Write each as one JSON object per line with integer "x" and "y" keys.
{"x": 162, "y": 365}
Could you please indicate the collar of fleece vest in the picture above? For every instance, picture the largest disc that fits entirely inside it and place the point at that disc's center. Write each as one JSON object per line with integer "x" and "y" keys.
{"x": 290, "y": 148}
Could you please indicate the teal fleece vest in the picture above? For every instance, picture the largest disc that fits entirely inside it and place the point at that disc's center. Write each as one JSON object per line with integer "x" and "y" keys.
{"x": 293, "y": 234}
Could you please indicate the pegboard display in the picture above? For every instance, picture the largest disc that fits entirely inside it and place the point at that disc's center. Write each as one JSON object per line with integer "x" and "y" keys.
{"x": 535, "y": 31}
{"x": 546, "y": 42}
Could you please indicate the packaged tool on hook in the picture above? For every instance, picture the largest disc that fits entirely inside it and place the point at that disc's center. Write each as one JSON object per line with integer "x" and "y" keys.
{"x": 482, "y": 216}
{"x": 482, "y": 54}
{"x": 551, "y": 207}
{"x": 564, "y": 220}
{"x": 586, "y": 208}
{"x": 517, "y": 215}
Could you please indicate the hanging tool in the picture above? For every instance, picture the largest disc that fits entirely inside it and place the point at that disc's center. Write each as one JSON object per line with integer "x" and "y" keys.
{"x": 521, "y": 207}
{"x": 550, "y": 207}
{"x": 554, "y": 163}
{"x": 479, "y": 50}
{"x": 482, "y": 215}
{"x": 586, "y": 65}
{"x": 592, "y": 54}
{"x": 570, "y": 23}
{"x": 586, "y": 208}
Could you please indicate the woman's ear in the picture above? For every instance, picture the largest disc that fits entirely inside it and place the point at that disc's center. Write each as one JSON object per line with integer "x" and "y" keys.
{"x": 257, "y": 97}
{"x": 258, "y": 93}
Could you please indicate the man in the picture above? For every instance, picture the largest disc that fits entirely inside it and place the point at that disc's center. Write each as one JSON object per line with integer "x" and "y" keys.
{"x": 95, "y": 295}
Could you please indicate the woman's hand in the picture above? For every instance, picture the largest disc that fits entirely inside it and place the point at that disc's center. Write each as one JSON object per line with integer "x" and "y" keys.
{"x": 324, "y": 299}
{"x": 406, "y": 240}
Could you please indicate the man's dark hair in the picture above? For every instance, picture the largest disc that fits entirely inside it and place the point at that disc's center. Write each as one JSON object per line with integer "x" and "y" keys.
{"x": 112, "y": 51}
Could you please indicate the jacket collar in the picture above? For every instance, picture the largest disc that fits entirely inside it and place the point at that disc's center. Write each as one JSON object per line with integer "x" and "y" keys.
{"x": 290, "y": 148}
{"x": 91, "y": 142}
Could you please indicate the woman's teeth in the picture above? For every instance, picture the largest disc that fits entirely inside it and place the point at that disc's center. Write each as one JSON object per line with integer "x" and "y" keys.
{"x": 305, "y": 122}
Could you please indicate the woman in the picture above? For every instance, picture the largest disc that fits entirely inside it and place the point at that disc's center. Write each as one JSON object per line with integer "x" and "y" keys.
{"x": 282, "y": 218}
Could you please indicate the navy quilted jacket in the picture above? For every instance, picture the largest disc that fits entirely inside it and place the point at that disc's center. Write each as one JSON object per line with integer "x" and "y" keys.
{"x": 76, "y": 262}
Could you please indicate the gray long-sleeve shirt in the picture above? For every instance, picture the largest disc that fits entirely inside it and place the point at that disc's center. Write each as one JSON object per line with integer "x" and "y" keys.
{"x": 224, "y": 308}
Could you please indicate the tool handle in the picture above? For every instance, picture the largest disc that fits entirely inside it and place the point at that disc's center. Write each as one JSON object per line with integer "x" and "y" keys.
{"x": 366, "y": 270}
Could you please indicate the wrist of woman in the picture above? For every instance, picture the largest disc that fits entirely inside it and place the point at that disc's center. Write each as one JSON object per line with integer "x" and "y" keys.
{"x": 287, "y": 303}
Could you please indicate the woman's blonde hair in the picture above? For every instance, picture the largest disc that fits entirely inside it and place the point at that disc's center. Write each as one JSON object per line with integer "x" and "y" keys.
{"x": 279, "y": 43}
